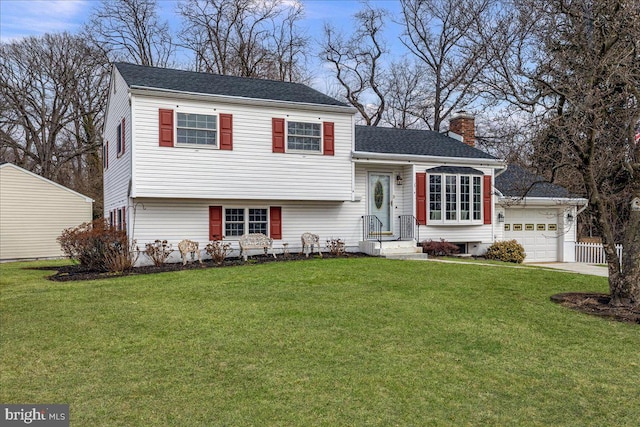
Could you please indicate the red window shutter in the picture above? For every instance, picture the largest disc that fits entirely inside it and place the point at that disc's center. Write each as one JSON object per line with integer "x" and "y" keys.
{"x": 122, "y": 137}
{"x": 487, "y": 202}
{"x": 277, "y": 133}
{"x": 226, "y": 131}
{"x": 166, "y": 128}
{"x": 275, "y": 222}
{"x": 215, "y": 223}
{"x": 421, "y": 198}
{"x": 124, "y": 219}
{"x": 327, "y": 130}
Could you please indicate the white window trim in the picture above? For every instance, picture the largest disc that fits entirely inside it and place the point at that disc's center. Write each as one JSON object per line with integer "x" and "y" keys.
{"x": 443, "y": 201}
{"x": 196, "y": 146}
{"x": 286, "y": 137}
{"x": 246, "y": 220}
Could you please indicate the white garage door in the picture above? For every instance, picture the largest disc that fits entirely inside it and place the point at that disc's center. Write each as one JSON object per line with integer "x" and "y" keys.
{"x": 537, "y": 230}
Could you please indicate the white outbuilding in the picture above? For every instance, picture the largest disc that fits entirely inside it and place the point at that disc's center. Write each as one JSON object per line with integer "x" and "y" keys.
{"x": 33, "y": 213}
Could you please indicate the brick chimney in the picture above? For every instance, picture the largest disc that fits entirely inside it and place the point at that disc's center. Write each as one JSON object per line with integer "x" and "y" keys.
{"x": 463, "y": 123}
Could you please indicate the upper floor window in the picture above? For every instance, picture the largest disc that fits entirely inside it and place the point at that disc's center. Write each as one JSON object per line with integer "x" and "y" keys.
{"x": 455, "y": 198}
{"x": 304, "y": 136}
{"x": 197, "y": 129}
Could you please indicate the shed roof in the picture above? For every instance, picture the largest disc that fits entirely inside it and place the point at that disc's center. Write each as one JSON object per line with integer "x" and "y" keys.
{"x": 140, "y": 76}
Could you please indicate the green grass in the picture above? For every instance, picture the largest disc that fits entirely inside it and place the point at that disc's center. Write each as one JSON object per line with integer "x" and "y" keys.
{"x": 346, "y": 342}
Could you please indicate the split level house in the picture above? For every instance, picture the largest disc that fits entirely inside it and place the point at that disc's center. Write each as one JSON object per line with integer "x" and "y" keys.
{"x": 202, "y": 157}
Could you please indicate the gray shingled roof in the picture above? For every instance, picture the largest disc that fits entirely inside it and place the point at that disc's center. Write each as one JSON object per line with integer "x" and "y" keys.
{"x": 375, "y": 139}
{"x": 454, "y": 170}
{"x": 516, "y": 181}
{"x": 215, "y": 84}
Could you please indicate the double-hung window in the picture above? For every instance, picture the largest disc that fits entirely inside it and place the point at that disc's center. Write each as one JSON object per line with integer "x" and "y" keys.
{"x": 240, "y": 221}
{"x": 303, "y": 136}
{"x": 197, "y": 129}
{"x": 455, "y": 197}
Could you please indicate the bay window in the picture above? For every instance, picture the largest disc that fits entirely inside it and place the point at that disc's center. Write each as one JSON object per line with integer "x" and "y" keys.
{"x": 454, "y": 197}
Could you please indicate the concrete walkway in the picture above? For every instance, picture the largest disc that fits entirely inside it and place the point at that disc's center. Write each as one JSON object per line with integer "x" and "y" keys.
{"x": 571, "y": 267}
{"x": 575, "y": 267}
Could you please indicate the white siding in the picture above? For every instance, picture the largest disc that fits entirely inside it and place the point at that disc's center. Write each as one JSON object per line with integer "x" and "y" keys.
{"x": 175, "y": 220}
{"x": 118, "y": 175}
{"x": 401, "y": 204}
{"x": 34, "y": 212}
{"x": 251, "y": 170}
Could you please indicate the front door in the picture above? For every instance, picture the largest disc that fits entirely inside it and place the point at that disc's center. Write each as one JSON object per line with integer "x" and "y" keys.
{"x": 380, "y": 199}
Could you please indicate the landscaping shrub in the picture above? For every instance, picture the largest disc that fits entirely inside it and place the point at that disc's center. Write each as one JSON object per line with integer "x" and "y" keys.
{"x": 218, "y": 250}
{"x": 97, "y": 246}
{"x": 507, "y": 251}
{"x": 439, "y": 248}
{"x": 158, "y": 251}
{"x": 335, "y": 246}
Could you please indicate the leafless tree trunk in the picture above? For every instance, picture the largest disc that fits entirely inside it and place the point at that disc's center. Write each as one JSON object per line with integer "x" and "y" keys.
{"x": 245, "y": 38}
{"x": 576, "y": 66}
{"x": 129, "y": 30}
{"x": 53, "y": 93}
{"x": 444, "y": 37}
{"x": 357, "y": 63}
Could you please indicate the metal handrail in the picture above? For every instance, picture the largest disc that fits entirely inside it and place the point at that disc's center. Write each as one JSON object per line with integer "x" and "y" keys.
{"x": 372, "y": 228}
{"x": 409, "y": 227}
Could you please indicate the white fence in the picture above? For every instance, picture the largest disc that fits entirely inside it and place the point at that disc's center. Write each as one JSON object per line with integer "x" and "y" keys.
{"x": 593, "y": 253}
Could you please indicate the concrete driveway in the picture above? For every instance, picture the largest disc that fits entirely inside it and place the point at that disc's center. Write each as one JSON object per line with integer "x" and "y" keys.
{"x": 575, "y": 267}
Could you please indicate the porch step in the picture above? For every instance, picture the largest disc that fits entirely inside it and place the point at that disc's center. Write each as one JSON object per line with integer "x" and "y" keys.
{"x": 394, "y": 247}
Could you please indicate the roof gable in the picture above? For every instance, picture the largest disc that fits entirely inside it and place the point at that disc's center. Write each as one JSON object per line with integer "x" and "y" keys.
{"x": 414, "y": 142}
{"x": 4, "y": 165}
{"x": 139, "y": 76}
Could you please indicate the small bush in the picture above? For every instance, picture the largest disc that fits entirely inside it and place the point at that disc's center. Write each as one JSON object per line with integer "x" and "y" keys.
{"x": 158, "y": 251}
{"x": 218, "y": 250}
{"x": 335, "y": 247}
{"x": 97, "y": 246}
{"x": 120, "y": 256}
{"x": 439, "y": 248}
{"x": 507, "y": 251}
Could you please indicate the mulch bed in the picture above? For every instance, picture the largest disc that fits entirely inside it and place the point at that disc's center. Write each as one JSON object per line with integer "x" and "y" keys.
{"x": 77, "y": 272}
{"x": 597, "y": 305}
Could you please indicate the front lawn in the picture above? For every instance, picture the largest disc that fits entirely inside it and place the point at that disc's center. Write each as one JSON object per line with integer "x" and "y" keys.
{"x": 350, "y": 342}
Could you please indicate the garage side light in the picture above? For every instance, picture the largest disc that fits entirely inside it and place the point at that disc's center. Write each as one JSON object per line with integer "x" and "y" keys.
{"x": 500, "y": 217}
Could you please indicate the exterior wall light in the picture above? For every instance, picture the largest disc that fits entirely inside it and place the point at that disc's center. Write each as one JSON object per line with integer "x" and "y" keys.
{"x": 500, "y": 217}
{"x": 569, "y": 217}
{"x": 399, "y": 180}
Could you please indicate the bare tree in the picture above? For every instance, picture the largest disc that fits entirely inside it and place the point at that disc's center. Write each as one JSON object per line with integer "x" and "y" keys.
{"x": 404, "y": 92}
{"x": 576, "y": 67}
{"x": 357, "y": 63}
{"x": 129, "y": 30}
{"x": 53, "y": 95}
{"x": 245, "y": 37}
{"x": 444, "y": 36}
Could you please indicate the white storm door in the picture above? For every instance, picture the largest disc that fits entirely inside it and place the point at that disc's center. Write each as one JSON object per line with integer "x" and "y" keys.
{"x": 380, "y": 198}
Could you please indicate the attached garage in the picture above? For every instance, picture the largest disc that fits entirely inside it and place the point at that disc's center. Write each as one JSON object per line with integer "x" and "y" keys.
{"x": 33, "y": 213}
{"x": 537, "y": 230}
{"x": 541, "y": 216}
